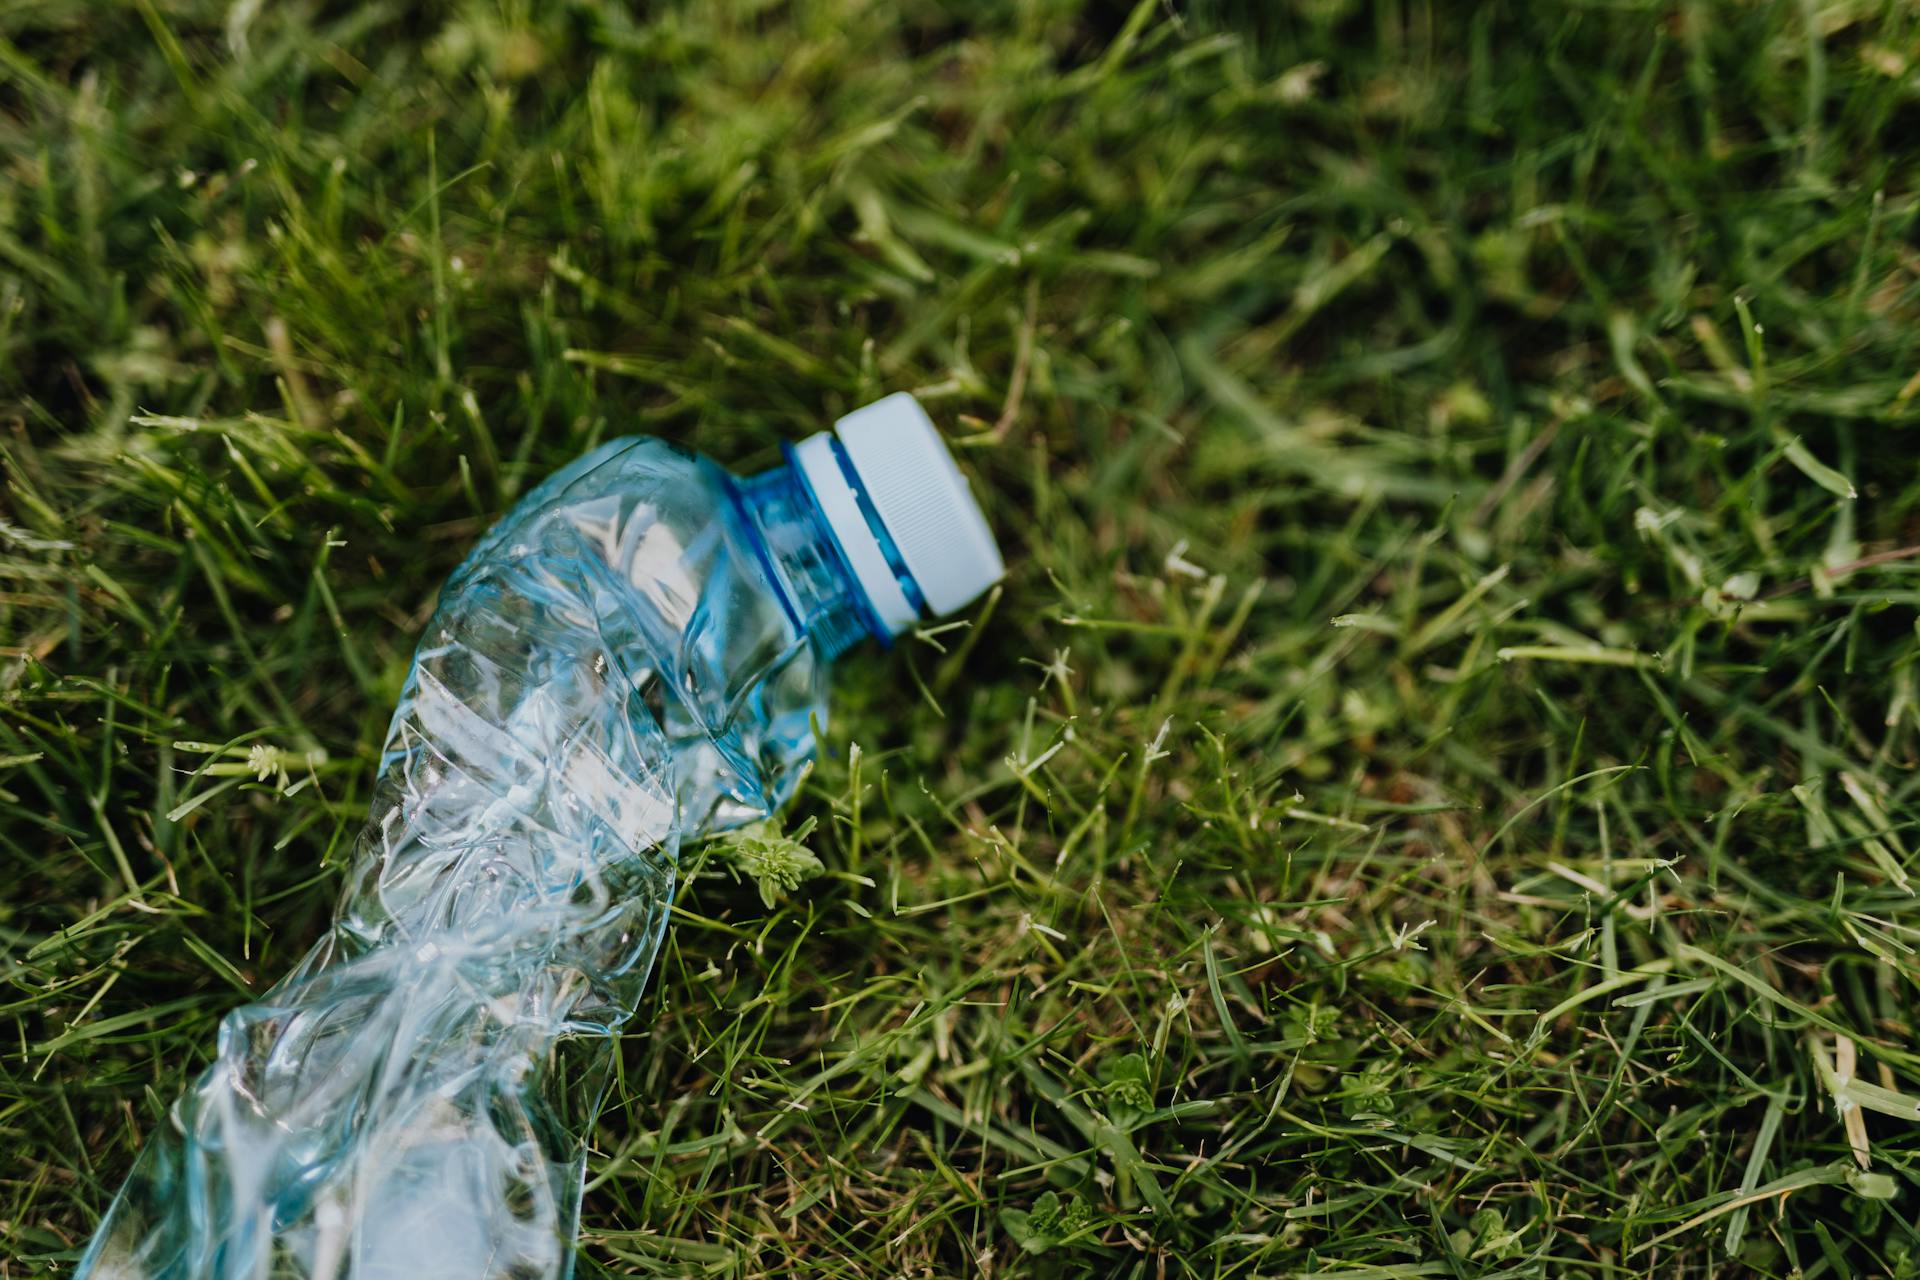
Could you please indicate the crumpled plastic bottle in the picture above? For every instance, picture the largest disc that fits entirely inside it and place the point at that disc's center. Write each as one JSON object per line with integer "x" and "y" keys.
{"x": 634, "y": 658}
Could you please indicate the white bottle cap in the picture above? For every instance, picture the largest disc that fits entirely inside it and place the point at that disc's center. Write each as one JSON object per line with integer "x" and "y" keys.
{"x": 904, "y": 472}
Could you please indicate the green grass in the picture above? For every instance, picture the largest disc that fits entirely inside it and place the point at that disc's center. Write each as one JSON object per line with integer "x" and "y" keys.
{"x": 1436, "y": 796}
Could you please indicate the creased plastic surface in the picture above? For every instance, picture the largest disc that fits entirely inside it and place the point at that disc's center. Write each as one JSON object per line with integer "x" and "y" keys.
{"x": 611, "y": 672}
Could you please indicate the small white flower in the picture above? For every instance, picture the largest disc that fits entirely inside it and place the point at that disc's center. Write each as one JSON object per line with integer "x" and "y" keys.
{"x": 266, "y": 761}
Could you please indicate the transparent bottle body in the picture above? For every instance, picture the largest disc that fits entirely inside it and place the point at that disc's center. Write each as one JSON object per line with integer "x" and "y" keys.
{"x": 633, "y": 658}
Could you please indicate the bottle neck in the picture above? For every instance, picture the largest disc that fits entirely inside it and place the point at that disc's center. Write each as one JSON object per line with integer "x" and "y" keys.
{"x": 819, "y": 591}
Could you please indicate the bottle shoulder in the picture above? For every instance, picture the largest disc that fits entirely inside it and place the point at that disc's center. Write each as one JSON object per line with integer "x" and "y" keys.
{"x": 633, "y": 570}
{"x": 657, "y": 480}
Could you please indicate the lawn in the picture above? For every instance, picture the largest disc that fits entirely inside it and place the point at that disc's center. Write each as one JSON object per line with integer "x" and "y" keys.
{"x": 1435, "y": 795}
